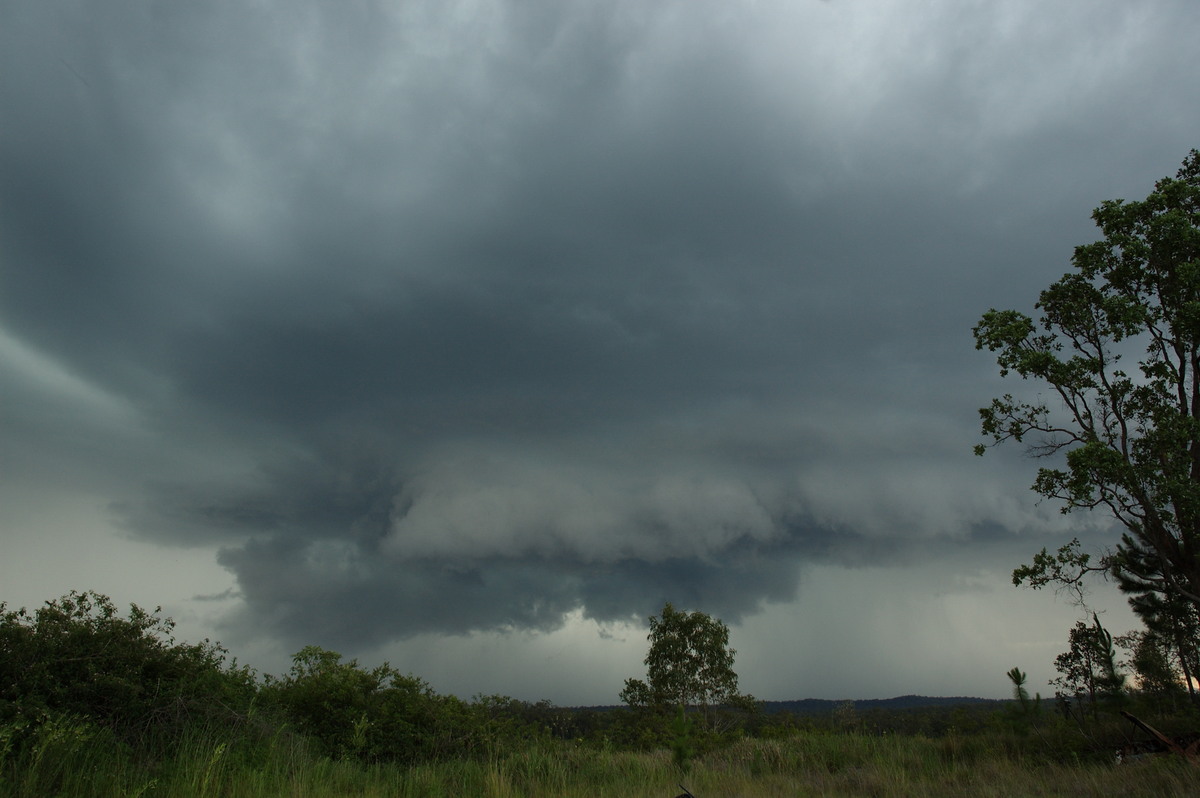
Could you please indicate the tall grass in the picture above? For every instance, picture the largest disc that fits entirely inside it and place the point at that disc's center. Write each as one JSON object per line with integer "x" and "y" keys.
{"x": 71, "y": 758}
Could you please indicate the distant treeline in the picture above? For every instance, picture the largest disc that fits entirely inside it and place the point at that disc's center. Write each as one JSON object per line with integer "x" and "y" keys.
{"x": 820, "y": 706}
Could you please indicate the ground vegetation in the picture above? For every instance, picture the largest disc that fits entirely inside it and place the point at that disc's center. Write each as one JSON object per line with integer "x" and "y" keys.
{"x": 98, "y": 702}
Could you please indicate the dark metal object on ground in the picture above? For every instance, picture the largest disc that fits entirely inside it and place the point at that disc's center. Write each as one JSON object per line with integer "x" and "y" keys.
{"x": 1187, "y": 747}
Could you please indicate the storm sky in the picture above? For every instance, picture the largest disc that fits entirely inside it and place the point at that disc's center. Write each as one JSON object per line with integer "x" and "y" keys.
{"x": 466, "y": 334}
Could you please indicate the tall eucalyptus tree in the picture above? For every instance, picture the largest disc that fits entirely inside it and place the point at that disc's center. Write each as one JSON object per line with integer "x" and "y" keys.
{"x": 1122, "y": 440}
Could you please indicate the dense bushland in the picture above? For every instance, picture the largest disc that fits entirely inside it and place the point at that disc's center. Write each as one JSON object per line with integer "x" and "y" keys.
{"x": 93, "y": 702}
{"x": 125, "y": 677}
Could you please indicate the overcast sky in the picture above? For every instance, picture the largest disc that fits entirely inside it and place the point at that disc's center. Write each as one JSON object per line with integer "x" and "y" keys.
{"x": 466, "y": 334}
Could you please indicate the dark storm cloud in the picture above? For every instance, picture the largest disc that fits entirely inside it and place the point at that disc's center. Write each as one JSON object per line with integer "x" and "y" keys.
{"x": 500, "y": 311}
{"x": 350, "y": 588}
{"x": 339, "y": 537}
{"x": 351, "y": 598}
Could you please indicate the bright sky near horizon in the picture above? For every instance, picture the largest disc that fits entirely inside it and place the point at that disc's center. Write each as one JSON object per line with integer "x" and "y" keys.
{"x": 466, "y": 334}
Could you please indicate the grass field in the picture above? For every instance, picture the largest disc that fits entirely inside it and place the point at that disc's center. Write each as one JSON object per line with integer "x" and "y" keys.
{"x": 77, "y": 760}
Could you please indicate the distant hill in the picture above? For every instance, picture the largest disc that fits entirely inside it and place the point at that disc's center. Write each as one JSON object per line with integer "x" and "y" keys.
{"x": 821, "y": 706}
{"x": 824, "y": 706}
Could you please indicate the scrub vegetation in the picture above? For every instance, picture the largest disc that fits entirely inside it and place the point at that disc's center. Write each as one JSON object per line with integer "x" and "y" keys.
{"x": 96, "y": 702}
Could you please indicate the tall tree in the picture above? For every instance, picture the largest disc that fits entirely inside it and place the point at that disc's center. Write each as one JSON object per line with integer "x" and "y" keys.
{"x": 690, "y": 664}
{"x": 1129, "y": 440}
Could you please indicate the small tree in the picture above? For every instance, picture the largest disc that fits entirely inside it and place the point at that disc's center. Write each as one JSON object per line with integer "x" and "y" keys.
{"x": 690, "y": 664}
{"x": 1026, "y": 709}
{"x": 845, "y": 716}
{"x": 1173, "y": 628}
{"x": 1089, "y": 668}
{"x": 1159, "y": 680}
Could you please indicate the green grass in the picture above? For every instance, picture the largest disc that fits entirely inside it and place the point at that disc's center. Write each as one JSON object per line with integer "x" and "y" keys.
{"x": 74, "y": 759}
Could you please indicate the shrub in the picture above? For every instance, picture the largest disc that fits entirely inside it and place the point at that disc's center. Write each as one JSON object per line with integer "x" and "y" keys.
{"x": 77, "y": 657}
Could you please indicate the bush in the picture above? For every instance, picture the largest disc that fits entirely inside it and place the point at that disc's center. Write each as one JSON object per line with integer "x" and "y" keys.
{"x": 378, "y": 715}
{"x": 77, "y": 657}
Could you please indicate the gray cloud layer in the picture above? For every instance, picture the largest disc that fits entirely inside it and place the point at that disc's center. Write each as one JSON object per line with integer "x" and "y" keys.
{"x": 476, "y": 314}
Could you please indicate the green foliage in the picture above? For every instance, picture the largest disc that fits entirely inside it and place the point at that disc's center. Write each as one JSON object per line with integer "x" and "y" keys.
{"x": 374, "y": 732}
{"x": 845, "y": 717}
{"x": 1026, "y": 711}
{"x": 1160, "y": 680}
{"x": 328, "y": 699}
{"x": 375, "y": 715}
{"x": 1017, "y": 677}
{"x": 1066, "y": 570}
{"x": 683, "y": 740}
{"x": 1088, "y": 670}
{"x": 332, "y": 727}
{"x": 1173, "y": 636}
{"x": 690, "y": 664}
{"x": 805, "y": 764}
{"x": 1128, "y": 439}
{"x": 78, "y": 657}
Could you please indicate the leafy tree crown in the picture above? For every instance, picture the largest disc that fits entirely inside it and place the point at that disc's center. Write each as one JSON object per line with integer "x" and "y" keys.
{"x": 1127, "y": 440}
